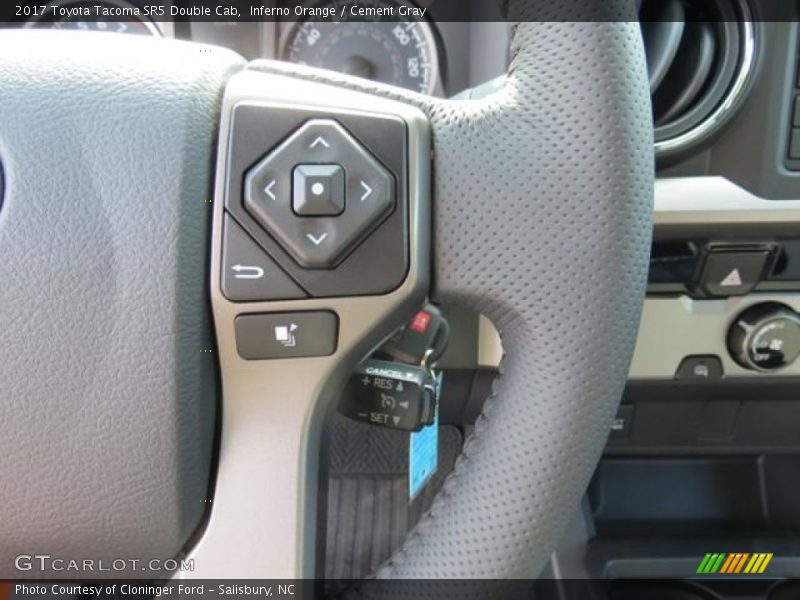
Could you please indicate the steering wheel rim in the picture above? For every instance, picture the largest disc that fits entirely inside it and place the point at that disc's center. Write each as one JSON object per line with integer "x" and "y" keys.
{"x": 571, "y": 122}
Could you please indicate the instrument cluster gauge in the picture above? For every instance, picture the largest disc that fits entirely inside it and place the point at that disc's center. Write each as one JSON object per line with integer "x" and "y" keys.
{"x": 397, "y": 52}
{"x": 115, "y": 16}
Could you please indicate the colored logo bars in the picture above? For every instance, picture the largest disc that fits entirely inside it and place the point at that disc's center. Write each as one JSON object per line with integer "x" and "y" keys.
{"x": 735, "y": 563}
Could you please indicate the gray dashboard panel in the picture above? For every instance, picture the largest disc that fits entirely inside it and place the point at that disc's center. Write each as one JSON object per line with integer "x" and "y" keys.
{"x": 673, "y": 327}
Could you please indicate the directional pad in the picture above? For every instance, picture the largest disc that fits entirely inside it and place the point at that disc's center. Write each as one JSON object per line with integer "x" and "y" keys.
{"x": 295, "y": 193}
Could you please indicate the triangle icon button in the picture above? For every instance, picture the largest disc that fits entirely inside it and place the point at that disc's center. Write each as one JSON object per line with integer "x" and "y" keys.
{"x": 732, "y": 279}
{"x": 731, "y": 272}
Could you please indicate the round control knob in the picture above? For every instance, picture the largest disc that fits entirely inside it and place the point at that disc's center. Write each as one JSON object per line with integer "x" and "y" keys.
{"x": 765, "y": 337}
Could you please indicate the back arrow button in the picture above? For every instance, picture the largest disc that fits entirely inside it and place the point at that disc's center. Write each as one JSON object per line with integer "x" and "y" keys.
{"x": 248, "y": 273}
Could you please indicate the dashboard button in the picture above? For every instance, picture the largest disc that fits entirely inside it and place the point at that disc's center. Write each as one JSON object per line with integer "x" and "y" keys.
{"x": 318, "y": 190}
{"x": 765, "y": 337}
{"x": 248, "y": 273}
{"x": 286, "y": 335}
{"x": 700, "y": 368}
{"x": 314, "y": 240}
{"x": 732, "y": 273}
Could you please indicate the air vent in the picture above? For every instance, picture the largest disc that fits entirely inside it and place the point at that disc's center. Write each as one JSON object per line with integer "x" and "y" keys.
{"x": 699, "y": 60}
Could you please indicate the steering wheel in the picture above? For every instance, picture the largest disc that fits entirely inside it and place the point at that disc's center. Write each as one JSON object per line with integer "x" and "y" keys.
{"x": 147, "y": 412}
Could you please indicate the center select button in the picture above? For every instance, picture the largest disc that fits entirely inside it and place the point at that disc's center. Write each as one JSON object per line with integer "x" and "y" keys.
{"x": 286, "y": 335}
{"x": 318, "y": 190}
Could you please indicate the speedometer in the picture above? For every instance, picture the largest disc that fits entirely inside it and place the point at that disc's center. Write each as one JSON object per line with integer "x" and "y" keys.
{"x": 402, "y": 53}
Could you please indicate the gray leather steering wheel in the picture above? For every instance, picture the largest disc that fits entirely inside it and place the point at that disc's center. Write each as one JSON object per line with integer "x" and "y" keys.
{"x": 540, "y": 202}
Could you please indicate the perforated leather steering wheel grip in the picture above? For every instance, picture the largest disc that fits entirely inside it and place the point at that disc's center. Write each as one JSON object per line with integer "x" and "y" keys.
{"x": 542, "y": 200}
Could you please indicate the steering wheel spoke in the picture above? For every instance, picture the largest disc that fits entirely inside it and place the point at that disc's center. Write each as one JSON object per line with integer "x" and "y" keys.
{"x": 265, "y": 499}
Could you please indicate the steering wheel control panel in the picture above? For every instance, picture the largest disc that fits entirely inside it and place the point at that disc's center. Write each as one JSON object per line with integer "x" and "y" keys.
{"x": 316, "y": 205}
{"x": 320, "y": 253}
{"x": 319, "y": 193}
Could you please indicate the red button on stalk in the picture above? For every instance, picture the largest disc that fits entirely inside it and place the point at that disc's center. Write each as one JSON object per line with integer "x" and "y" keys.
{"x": 420, "y": 322}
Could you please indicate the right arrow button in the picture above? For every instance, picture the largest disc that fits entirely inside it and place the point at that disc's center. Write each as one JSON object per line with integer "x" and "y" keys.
{"x": 367, "y": 190}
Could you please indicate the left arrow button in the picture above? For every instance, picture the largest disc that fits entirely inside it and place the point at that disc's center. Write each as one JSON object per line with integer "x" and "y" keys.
{"x": 248, "y": 273}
